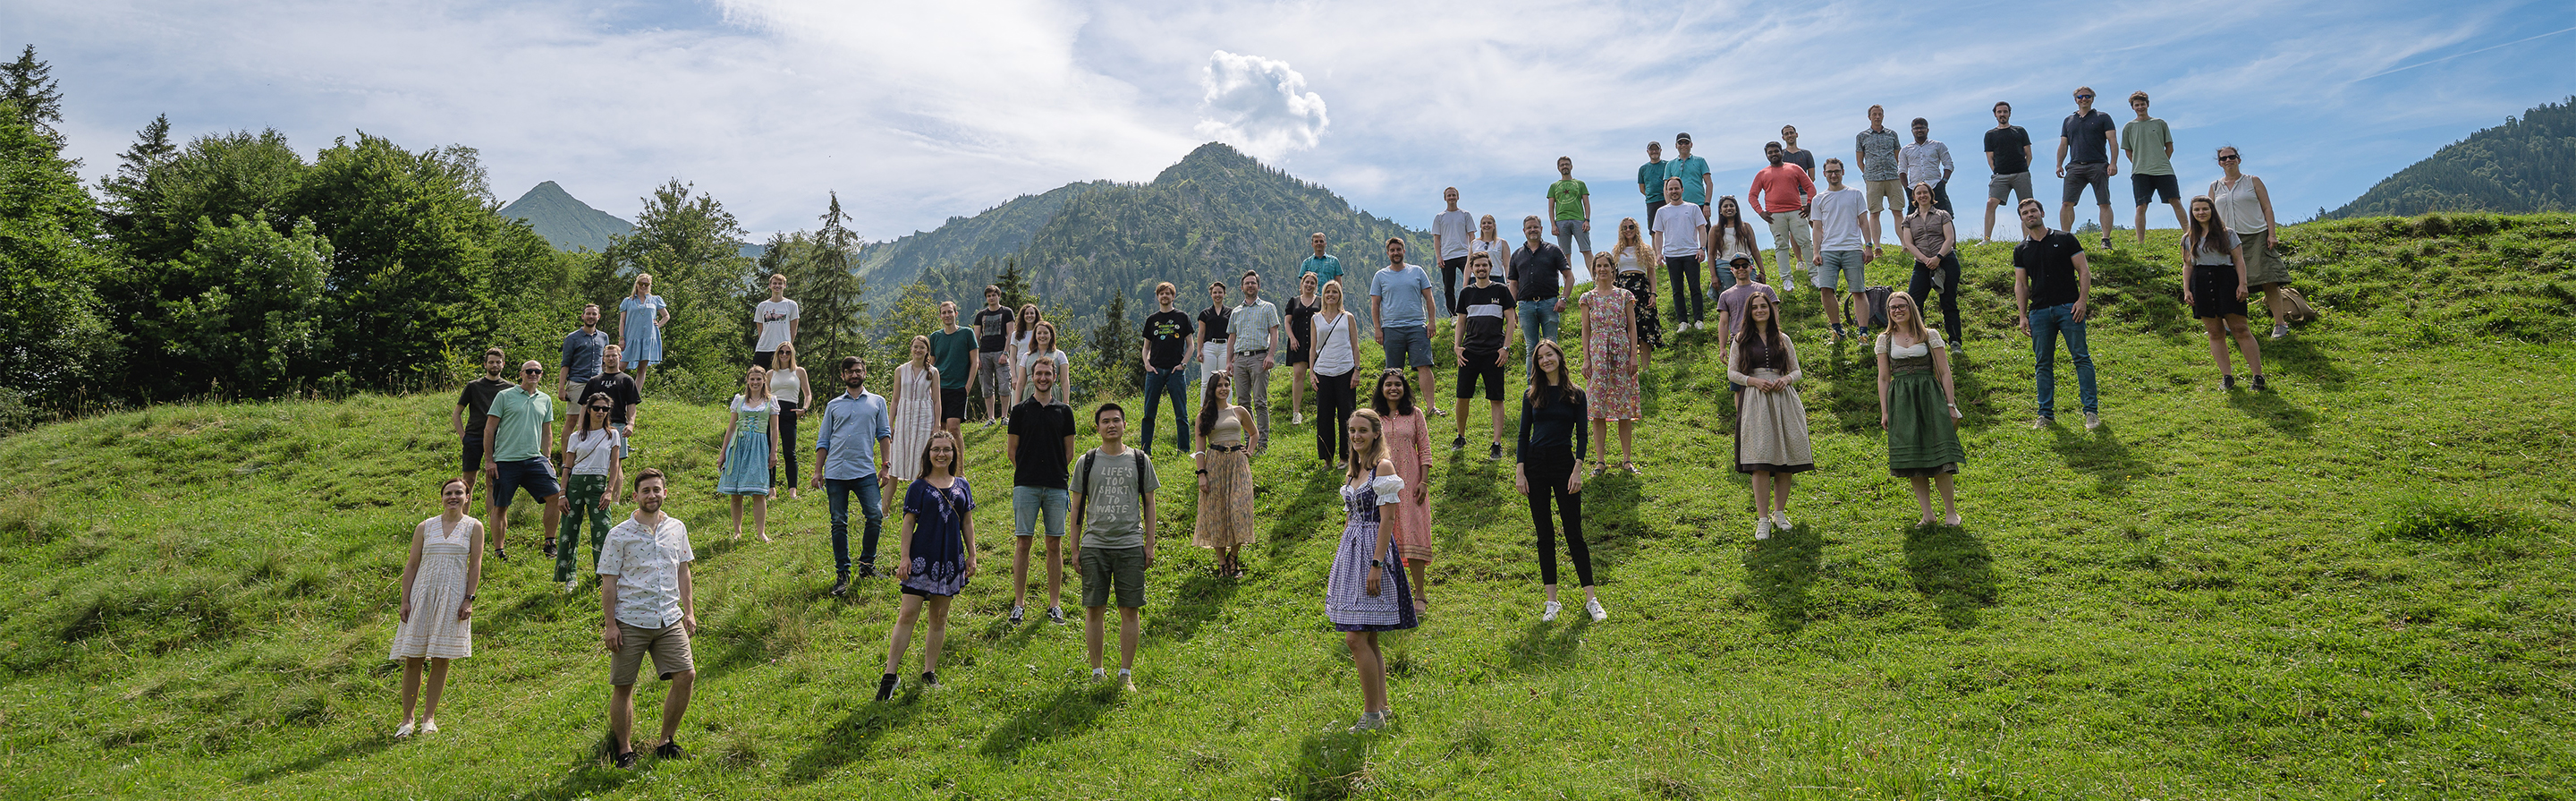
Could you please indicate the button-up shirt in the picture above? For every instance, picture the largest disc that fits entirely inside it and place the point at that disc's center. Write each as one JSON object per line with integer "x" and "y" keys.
{"x": 645, "y": 563}
{"x": 1926, "y": 162}
{"x": 1251, "y": 324}
{"x": 854, "y": 424}
{"x": 581, "y": 355}
{"x": 1878, "y": 151}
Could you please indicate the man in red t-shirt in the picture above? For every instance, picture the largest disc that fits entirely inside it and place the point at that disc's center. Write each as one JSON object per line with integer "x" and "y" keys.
{"x": 1780, "y": 194}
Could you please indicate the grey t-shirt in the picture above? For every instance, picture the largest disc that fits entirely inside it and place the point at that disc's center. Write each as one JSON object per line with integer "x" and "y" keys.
{"x": 1113, "y": 498}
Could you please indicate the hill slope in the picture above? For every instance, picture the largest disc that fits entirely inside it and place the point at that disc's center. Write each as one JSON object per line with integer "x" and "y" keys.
{"x": 564, "y": 220}
{"x": 2525, "y": 165}
{"x": 993, "y": 234}
{"x": 2352, "y": 586}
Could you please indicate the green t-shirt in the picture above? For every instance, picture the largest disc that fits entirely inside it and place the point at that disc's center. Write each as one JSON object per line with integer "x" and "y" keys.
{"x": 1568, "y": 195}
{"x": 954, "y": 355}
{"x": 1113, "y": 502}
{"x": 522, "y": 413}
{"x": 2146, "y": 140}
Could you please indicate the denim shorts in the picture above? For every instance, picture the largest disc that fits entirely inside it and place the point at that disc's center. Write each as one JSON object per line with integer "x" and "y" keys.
{"x": 1844, "y": 264}
{"x": 537, "y": 476}
{"x": 1407, "y": 346}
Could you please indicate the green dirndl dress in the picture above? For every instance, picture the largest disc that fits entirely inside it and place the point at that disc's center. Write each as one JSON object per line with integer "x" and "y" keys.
{"x": 1922, "y": 439}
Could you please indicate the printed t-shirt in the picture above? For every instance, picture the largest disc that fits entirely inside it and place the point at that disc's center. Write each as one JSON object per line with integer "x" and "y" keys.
{"x": 1113, "y": 499}
{"x": 1167, "y": 338}
{"x": 1487, "y": 309}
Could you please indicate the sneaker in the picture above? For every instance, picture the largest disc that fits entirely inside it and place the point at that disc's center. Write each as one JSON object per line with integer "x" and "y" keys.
{"x": 1864, "y": 332}
{"x": 502, "y": 554}
{"x": 2258, "y": 383}
{"x": 404, "y": 731}
{"x": 1761, "y": 528}
{"x": 1495, "y": 452}
{"x": 885, "y": 687}
{"x": 841, "y": 587}
{"x": 626, "y": 761}
{"x": 1369, "y": 721}
{"x": 572, "y": 587}
{"x": 1055, "y": 615}
{"x": 429, "y": 726}
{"x": 2280, "y": 330}
{"x": 1016, "y": 613}
{"x": 1780, "y": 520}
{"x": 867, "y": 571}
{"x": 2092, "y": 420}
{"x": 1548, "y": 614}
{"x": 2043, "y": 421}
{"x": 1458, "y": 444}
{"x": 1439, "y": 412}
{"x": 1838, "y": 331}
{"x": 1298, "y": 420}
{"x": 2106, "y": 243}
{"x": 670, "y": 750}
{"x": 1099, "y": 675}
{"x": 549, "y": 549}
{"x": 929, "y": 680}
{"x": 1127, "y": 681}
{"x": 2227, "y": 382}
{"x": 1593, "y": 605}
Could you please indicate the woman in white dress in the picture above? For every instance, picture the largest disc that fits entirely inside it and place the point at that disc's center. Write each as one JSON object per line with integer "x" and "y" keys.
{"x": 438, "y": 583}
{"x": 916, "y": 411}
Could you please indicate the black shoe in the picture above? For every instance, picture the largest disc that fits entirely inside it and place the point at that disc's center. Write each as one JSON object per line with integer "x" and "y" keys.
{"x": 885, "y": 687}
{"x": 1495, "y": 452}
{"x": 867, "y": 571}
{"x": 670, "y": 750}
{"x": 550, "y": 549}
{"x": 502, "y": 554}
{"x": 2227, "y": 382}
{"x": 841, "y": 587}
{"x": 930, "y": 680}
{"x": 1458, "y": 444}
{"x": 2258, "y": 383}
{"x": 626, "y": 761}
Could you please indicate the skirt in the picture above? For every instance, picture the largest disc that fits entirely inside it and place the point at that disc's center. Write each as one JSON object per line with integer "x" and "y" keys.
{"x": 1650, "y": 331}
{"x": 746, "y": 470}
{"x": 1922, "y": 440}
{"x": 433, "y": 632}
{"x": 2213, "y": 292}
{"x": 1346, "y": 600}
{"x": 2263, "y": 265}
{"x": 1225, "y": 506}
{"x": 1771, "y": 430}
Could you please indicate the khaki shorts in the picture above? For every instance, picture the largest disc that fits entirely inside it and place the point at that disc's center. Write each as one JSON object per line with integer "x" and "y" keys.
{"x": 669, "y": 646}
{"x": 1104, "y": 569}
{"x": 1892, "y": 191}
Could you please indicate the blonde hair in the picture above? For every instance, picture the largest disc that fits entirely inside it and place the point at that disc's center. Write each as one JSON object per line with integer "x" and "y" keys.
{"x": 1333, "y": 302}
{"x": 1628, "y": 241}
{"x": 786, "y": 355}
{"x": 1377, "y": 443}
{"x": 1913, "y": 318}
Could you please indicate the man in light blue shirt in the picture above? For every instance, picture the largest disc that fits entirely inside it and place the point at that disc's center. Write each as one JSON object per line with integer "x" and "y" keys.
{"x": 1400, "y": 302}
{"x": 1255, "y": 326}
{"x": 1326, "y": 270}
{"x": 1693, "y": 171}
{"x": 852, "y": 419}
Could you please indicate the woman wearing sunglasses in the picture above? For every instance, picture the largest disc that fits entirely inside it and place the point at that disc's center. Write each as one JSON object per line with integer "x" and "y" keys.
{"x": 593, "y": 457}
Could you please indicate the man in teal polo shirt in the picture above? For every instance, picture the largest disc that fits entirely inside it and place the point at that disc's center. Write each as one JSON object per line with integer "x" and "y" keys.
{"x": 515, "y": 433}
{"x": 1326, "y": 268}
{"x": 1693, "y": 171}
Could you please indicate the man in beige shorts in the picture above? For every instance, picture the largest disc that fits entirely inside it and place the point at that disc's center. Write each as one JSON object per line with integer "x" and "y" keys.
{"x": 647, "y": 606}
{"x": 1882, "y": 179}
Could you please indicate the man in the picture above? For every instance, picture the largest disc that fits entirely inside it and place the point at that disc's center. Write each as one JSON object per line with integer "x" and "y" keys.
{"x": 1482, "y": 337}
{"x": 1539, "y": 277}
{"x": 647, "y": 604}
{"x": 1681, "y": 238}
{"x": 1113, "y": 510}
{"x": 1041, "y": 442}
{"x": 995, "y": 326}
{"x": 1789, "y": 152}
{"x": 1400, "y": 303}
{"x": 1730, "y": 303}
{"x": 776, "y": 319}
{"x": 1166, "y": 354}
{"x": 581, "y": 350}
{"x": 1452, "y": 232}
{"x": 1327, "y": 269}
{"x": 952, "y": 350}
{"x": 1784, "y": 196}
{"x": 1927, "y": 161}
{"x": 1837, "y": 224}
{"x": 2089, "y": 137}
{"x": 1697, "y": 184}
{"x": 474, "y": 403}
{"x": 623, "y": 395}
{"x": 1569, "y": 203}
{"x": 515, "y": 433}
{"x": 2050, "y": 283}
{"x": 1875, "y": 151}
{"x": 1256, "y": 326}
{"x": 2008, "y": 154}
{"x": 2149, "y": 143}
{"x": 851, "y": 420}
{"x": 1650, "y": 178}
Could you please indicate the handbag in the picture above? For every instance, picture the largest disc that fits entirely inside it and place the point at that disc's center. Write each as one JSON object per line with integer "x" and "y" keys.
{"x": 2300, "y": 311}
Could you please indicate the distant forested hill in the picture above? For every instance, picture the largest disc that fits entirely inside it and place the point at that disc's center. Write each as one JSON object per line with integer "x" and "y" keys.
{"x": 2525, "y": 165}
{"x": 995, "y": 233}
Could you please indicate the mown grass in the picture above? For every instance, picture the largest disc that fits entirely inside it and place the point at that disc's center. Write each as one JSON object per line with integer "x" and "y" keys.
{"x": 2355, "y": 586}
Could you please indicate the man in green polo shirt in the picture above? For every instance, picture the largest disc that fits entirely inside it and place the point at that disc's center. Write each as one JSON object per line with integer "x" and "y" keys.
{"x": 515, "y": 433}
{"x": 2149, "y": 143}
{"x": 1569, "y": 203}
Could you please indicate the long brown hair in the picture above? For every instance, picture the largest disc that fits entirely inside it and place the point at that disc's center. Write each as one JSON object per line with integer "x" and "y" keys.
{"x": 1743, "y": 229}
{"x": 1377, "y": 445}
{"x": 1546, "y": 388}
{"x": 956, "y": 466}
{"x": 1212, "y": 402}
{"x": 1769, "y": 329}
{"x": 2200, "y": 235}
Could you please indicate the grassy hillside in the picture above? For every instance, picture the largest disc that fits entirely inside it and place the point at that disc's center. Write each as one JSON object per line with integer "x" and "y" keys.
{"x": 2354, "y": 586}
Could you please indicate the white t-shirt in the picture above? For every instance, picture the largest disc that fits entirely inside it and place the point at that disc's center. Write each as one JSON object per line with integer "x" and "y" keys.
{"x": 1839, "y": 212}
{"x": 1679, "y": 224}
{"x": 1456, "y": 229}
{"x": 594, "y": 451}
{"x": 1731, "y": 241}
{"x": 1497, "y": 250}
{"x": 774, "y": 315}
{"x": 1333, "y": 344}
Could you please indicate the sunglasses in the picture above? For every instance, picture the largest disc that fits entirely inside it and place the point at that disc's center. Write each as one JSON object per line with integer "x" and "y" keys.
{"x": 599, "y": 409}
{"x": 2083, "y": 97}
{"x": 2228, "y": 157}
{"x": 533, "y": 370}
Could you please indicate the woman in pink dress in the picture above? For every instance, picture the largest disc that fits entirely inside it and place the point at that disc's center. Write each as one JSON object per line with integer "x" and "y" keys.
{"x": 1610, "y": 359}
{"x": 1408, "y": 442}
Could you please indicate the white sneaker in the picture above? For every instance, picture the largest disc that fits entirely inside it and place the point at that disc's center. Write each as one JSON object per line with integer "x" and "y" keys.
{"x": 404, "y": 731}
{"x": 1369, "y": 721}
{"x": 1593, "y": 605}
{"x": 1780, "y": 520}
{"x": 2092, "y": 420}
{"x": 1299, "y": 420}
{"x": 1549, "y": 614}
{"x": 1761, "y": 528}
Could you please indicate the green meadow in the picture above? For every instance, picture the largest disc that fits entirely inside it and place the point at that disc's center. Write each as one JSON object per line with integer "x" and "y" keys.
{"x": 2356, "y": 585}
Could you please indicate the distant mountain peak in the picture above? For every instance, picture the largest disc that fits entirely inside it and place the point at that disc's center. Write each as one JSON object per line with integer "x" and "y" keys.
{"x": 565, "y": 221}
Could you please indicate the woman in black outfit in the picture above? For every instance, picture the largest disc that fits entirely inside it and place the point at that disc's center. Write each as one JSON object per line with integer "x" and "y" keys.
{"x": 1551, "y": 445}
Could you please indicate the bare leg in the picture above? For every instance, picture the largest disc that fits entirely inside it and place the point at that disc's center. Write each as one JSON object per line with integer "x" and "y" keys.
{"x": 1922, "y": 498}
{"x": 1364, "y": 655}
{"x": 2180, "y": 221}
{"x": 554, "y": 514}
{"x": 1833, "y": 311}
{"x": 1093, "y": 617}
{"x": 2272, "y": 299}
{"x": 1430, "y": 383}
{"x": 1949, "y": 501}
{"x": 498, "y": 523}
{"x": 1991, "y": 205}
{"x": 437, "y": 685}
{"x": 2246, "y": 344}
{"x": 1128, "y": 630}
{"x": 1497, "y": 408}
{"x": 760, "y": 516}
{"x": 1020, "y": 572}
{"x": 937, "y": 637}
{"x": 2216, "y": 328}
{"x": 411, "y": 686}
{"x": 2140, "y": 227}
{"x": 1761, "y": 495}
{"x": 903, "y": 620}
{"x": 2106, "y": 220}
{"x": 1600, "y": 428}
{"x": 2066, "y": 217}
{"x": 737, "y": 516}
{"x": 1297, "y": 392}
{"x": 621, "y": 717}
{"x": 676, "y": 703}
{"x": 1421, "y": 586}
{"x": 1780, "y": 484}
{"x": 1627, "y": 446}
{"x": 1055, "y": 572}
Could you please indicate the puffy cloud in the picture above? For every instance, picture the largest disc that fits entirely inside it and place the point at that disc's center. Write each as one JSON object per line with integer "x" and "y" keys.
{"x": 1259, "y": 105}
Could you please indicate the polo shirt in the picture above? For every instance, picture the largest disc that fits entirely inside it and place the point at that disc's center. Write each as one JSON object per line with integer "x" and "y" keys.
{"x": 1325, "y": 268}
{"x": 1650, "y": 178}
{"x": 521, "y": 413}
{"x": 2049, "y": 262}
{"x": 1534, "y": 268}
{"x": 1690, "y": 169}
{"x": 2084, "y": 137}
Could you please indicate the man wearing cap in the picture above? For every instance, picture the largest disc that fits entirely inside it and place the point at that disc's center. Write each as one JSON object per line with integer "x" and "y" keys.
{"x": 1650, "y": 178}
{"x": 1693, "y": 170}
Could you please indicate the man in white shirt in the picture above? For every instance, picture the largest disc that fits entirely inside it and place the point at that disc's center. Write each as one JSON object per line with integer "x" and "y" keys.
{"x": 647, "y": 605}
{"x": 777, "y": 319}
{"x": 1255, "y": 327}
{"x": 1839, "y": 243}
{"x": 1681, "y": 237}
{"x": 1451, "y": 233}
{"x": 1926, "y": 162}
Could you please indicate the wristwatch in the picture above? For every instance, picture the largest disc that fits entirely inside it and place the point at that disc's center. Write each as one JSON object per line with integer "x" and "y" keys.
{"x": 1376, "y": 563}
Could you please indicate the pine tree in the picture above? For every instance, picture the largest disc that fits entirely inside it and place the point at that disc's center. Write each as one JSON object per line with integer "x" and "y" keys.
{"x": 830, "y": 294}
{"x": 1014, "y": 284}
{"x": 1113, "y": 346}
{"x": 28, "y": 89}
{"x": 151, "y": 148}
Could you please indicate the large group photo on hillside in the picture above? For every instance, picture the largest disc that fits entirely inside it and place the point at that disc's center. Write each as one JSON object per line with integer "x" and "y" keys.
{"x": 1323, "y": 402}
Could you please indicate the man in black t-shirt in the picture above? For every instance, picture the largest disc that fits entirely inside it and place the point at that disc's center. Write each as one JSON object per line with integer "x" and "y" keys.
{"x": 623, "y": 395}
{"x": 475, "y": 403}
{"x": 1484, "y": 333}
{"x": 994, "y": 329}
{"x": 1040, "y": 446}
{"x": 2050, "y": 283}
{"x": 2085, "y": 142}
{"x": 1166, "y": 355}
{"x": 2008, "y": 154}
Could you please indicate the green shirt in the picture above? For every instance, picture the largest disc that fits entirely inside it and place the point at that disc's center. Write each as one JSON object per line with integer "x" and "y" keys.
{"x": 521, "y": 413}
{"x": 1325, "y": 268}
{"x": 1568, "y": 196}
{"x": 2146, "y": 140}
{"x": 954, "y": 355}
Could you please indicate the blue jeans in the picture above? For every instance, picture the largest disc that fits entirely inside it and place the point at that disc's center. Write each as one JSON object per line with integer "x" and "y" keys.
{"x": 870, "y": 504}
{"x": 2046, "y": 324}
{"x": 1176, "y": 383}
{"x": 1538, "y": 321}
{"x": 1027, "y": 502}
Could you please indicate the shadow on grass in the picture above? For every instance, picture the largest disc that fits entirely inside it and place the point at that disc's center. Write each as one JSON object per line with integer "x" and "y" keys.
{"x": 591, "y": 780}
{"x": 850, "y": 740}
{"x": 1297, "y": 519}
{"x": 350, "y": 750}
{"x": 1073, "y": 709}
{"x": 1951, "y": 567}
{"x": 1611, "y": 530}
{"x": 2098, "y": 452}
{"x": 1200, "y": 599}
{"x": 1473, "y": 494}
{"x": 1779, "y": 570}
{"x": 1330, "y": 767}
{"x": 2275, "y": 411}
{"x": 2303, "y": 357}
{"x": 1549, "y": 646}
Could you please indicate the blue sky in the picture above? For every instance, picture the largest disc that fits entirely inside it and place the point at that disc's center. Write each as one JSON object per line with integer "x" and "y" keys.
{"x": 915, "y": 112}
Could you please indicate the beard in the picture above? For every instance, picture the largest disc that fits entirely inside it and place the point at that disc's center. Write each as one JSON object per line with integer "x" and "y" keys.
{"x": 651, "y": 507}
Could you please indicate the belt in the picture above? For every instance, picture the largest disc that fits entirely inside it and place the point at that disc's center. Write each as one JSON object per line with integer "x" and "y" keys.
{"x": 1225, "y": 449}
{"x": 1256, "y": 352}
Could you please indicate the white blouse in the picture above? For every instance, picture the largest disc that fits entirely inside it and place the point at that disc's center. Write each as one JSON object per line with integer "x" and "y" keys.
{"x": 592, "y": 452}
{"x": 1389, "y": 488}
{"x": 1932, "y": 339}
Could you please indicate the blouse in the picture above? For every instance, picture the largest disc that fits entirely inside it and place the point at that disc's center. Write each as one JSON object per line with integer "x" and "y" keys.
{"x": 1554, "y": 427}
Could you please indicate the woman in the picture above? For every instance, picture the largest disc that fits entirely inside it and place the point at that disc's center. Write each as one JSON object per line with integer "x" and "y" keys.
{"x": 1301, "y": 343}
{"x": 937, "y": 556}
{"x": 1637, "y": 276}
{"x": 750, "y": 454}
{"x": 592, "y": 474}
{"x": 1225, "y": 476}
{"x": 2243, "y": 198}
{"x": 640, "y": 318}
{"x": 1770, "y": 420}
{"x": 1364, "y": 595}
{"x": 1932, "y": 238}
{"x": 1731, "y": 235}
{"x": 1213, "y": 322}
{"x": 1918, "y": 406}
{"x": 915, "y": 406}
{"x": 1610, "y": 360}
{"x": 1041, "y": 346}
{"x": 1551, "y": 445}
{"x": 1408, "y": 441}
{"x": 437, "y": 614}
{"x": 789, "y": 383}
{"x": 1493, "y": 246}
{"x": 1023, "y": 340}
{"x": 1337, "y": 361}
{"x": 2215, "y": 290}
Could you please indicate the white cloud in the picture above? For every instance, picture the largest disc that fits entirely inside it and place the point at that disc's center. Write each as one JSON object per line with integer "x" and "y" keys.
{"x": 1259, "y": 105}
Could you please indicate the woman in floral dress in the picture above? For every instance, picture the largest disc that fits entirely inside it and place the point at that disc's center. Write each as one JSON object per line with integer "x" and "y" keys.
{"x": 1610, "y": 359}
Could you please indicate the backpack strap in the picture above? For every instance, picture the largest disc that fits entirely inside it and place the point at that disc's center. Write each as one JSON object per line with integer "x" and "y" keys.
{"x": 1140, "y": 478}
{"x": 1084, "y": 470}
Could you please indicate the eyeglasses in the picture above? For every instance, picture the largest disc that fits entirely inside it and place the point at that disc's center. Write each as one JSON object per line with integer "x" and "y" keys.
{"x": 533, "y": 370}
{"x": 2228, "y": 157}
{"x": 2083, "y": 97}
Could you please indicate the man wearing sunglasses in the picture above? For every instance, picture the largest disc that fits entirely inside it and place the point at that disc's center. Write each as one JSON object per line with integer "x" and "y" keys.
{"x": 2091, "y": 137}
{"x": 515, "y": 435}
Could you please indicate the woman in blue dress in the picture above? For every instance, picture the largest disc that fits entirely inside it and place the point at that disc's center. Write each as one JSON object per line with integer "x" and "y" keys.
{"x": 640, "y": 318}
{"x": 750, "y": 454}
{"x": 1366, "y": 594}
{"x": 937, "y": 557}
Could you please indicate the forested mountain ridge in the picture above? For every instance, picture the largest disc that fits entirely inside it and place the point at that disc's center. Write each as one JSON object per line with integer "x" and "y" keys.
{"x": 994, "y": 233}
{"x": 565, "y": 221}
{"x": 2528, "y": 164}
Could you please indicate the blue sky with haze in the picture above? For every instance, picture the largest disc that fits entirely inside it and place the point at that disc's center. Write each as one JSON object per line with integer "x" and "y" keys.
{"x": 915, "y": 111}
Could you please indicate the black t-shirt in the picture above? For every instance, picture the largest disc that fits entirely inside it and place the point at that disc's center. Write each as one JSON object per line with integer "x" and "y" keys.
{"x": 1167, "y": 338}
{"x": 622, "y": 394}
{"x": 2006, "y": 144}
{"x": 2084, "y": 137}
{"x": 1805, "y": 159}
{"x": 1041, "y": 428}
{"x": 1536, "y": 270}
{"x": 2050, "y": 263}
{"x": 477, "y": 400}
{"x": 991, "y": 328}
{"x": 1214, "y": 318}
{"x": 1488, "y": 309}
{"x": 1301, "y": 317}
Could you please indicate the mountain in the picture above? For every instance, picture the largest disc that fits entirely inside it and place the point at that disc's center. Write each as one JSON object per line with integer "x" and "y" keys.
{"x": 2524, "y": 165}
{"x": 995, "y": 233}
{"x": 564, "y": 220}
